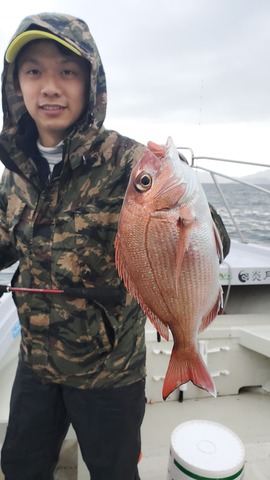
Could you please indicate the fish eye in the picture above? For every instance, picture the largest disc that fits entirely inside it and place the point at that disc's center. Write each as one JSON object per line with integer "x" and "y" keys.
{"x": 143, "y": 182}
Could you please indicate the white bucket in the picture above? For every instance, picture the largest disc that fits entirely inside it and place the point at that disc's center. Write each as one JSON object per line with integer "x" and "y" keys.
{"x": 205, "y": 450}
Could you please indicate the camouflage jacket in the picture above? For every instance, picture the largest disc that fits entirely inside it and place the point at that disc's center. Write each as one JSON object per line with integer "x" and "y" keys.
{"x": 61, "y": 230}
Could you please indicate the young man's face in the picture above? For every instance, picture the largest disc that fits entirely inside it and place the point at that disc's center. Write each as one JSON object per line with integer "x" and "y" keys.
{"x": 54, "y": 88}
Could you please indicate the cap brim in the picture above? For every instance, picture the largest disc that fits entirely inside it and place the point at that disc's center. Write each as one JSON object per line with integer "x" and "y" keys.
{"x": 18, "y": 42}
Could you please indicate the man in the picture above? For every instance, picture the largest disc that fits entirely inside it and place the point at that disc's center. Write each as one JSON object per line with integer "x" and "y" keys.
{"x": 82, "y": 360}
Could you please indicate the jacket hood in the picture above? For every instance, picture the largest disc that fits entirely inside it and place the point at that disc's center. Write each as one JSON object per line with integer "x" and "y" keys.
{"x": 74, "y": 31}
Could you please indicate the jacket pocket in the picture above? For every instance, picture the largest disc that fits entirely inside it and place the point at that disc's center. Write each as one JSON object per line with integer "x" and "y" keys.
{"x": 96, "y": 336}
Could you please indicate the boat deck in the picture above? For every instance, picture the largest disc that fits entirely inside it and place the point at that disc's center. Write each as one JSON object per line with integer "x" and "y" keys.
{"x": 247, "y": 414}
{"x": 236, "y": 349}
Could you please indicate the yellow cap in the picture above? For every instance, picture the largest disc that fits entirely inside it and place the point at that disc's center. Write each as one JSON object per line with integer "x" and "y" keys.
{"x": 18, "y": 42}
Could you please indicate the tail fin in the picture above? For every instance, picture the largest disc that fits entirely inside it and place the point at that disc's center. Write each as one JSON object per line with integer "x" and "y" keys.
{"x": 185, "y": 366}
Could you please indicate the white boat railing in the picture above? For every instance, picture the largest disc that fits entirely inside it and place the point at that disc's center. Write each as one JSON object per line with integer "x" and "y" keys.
{"x": 195, "y": 163}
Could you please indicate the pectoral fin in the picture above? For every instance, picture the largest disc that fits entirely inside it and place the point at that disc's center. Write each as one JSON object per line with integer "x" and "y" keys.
{"x": 185, "y": 223}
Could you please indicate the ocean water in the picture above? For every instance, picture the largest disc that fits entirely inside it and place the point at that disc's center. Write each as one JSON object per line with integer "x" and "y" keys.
{"x": 249, "y": 207}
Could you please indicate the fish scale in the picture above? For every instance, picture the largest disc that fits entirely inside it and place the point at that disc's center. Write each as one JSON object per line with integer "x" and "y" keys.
{"x": 167, "y": 253}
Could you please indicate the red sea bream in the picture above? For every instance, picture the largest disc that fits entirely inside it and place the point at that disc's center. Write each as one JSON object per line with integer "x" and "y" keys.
{"x": 167, "y": 253}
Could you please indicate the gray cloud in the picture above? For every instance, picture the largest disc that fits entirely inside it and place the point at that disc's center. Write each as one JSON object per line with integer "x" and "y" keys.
{"x": 184, "y": 60}
{"x": 197, "y": 70}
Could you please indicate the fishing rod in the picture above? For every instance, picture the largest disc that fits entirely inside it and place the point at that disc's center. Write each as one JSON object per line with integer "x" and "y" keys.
{"x": 113, "y": 295}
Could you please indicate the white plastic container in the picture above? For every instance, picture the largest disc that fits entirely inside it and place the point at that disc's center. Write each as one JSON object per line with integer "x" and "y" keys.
{"x": 205, "y": 450}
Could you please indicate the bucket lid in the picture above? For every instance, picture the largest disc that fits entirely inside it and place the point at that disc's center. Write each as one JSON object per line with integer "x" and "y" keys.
{"x": 207, "y": 449}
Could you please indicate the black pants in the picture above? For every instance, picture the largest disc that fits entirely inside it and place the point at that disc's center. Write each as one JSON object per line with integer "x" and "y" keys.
{"x": 107, "y": 424}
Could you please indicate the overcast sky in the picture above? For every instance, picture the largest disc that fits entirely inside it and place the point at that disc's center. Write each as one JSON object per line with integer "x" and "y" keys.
{"x": 197, "y": 70}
